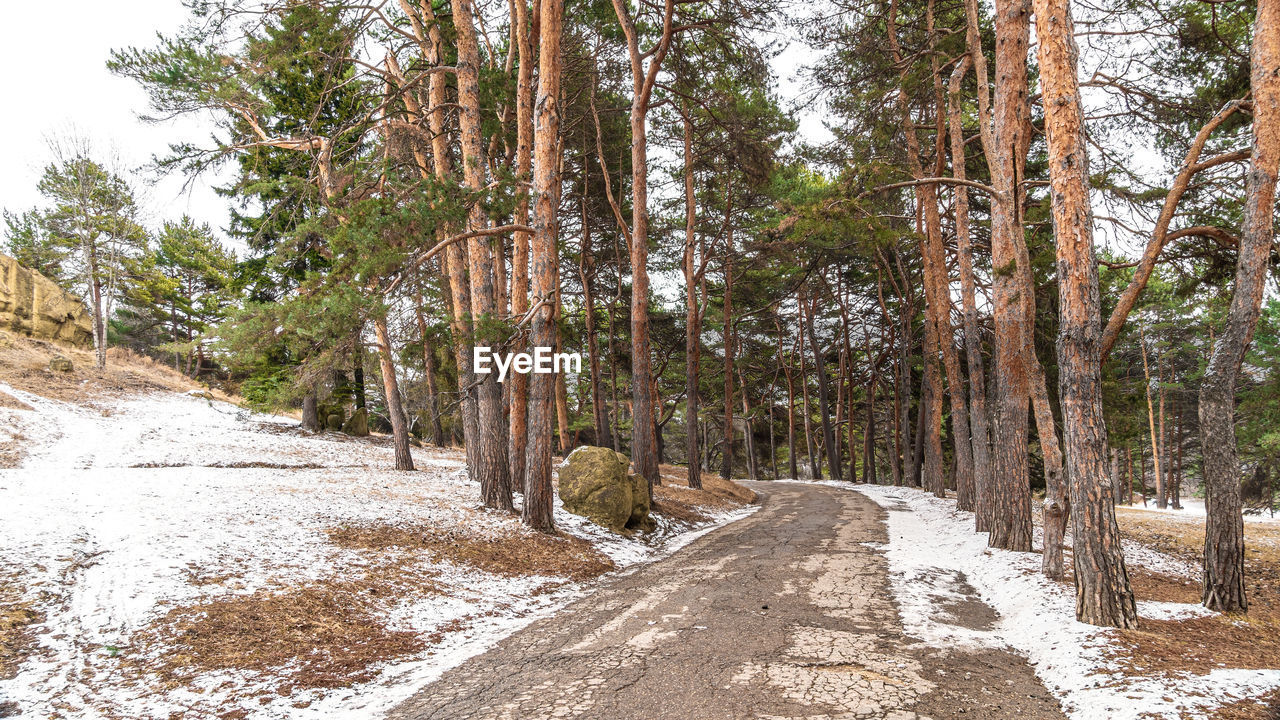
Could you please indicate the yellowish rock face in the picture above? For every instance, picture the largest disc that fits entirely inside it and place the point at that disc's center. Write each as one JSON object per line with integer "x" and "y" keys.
{"x": 33, "y": 305}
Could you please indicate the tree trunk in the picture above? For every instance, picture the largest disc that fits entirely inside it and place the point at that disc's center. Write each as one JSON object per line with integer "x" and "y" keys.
{"x": 491, "y": 455}
{"x": 1057, "y": 503}
{"x": 791, "y": 423}
{"x": 538, "y": 501}
{"x": 1224, "y": 529}
{"x": 1177, "y": 445}
{"x": 692, "y": 324}
{"x": 815, "y": 463}
{"x": 1005, "y": 139}
{"x": 561, "y": 388}
{"x": 643, "y": 441}
{"x": 1128, "y": 475}
{"x": 454, "y": 263}
{"x": 938, "y": 348}
{"x": 429, "y": 372}
{"x": 1156, "y": 450}
{"x": 310, "y": 416}
{"x": 1162, "y": 497}
{"x": 726, "y": 466}
{"x": 824, "y": 399}
{"x": 518, "y": 391}
{"x": 390, "y": 386}
{"x": 1116, "y": 481}
{"x": 1103, "y": 595}
{"x": 587, "y": 272}
{"x": 979, "y": 434}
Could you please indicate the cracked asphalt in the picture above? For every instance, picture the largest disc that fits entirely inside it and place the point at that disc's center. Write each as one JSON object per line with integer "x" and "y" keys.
{"x": 784, "y": 614}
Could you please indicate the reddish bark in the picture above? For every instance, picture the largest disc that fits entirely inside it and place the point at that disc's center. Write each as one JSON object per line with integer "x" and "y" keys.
{"x": 538, "y": 495}
{"x": 1224, "y": 528}
{"x": 1103, "y": 595}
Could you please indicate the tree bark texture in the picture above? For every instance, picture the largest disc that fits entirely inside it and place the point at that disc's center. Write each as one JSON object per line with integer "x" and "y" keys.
{"x": 1224, "y": 529}
{"x": 391, "y": 387}
{"x": 1005, "y": 131}
{"x": 1103, "y": 594}
{"x": 538, "y": 501}
{"x": 491, "y": 453}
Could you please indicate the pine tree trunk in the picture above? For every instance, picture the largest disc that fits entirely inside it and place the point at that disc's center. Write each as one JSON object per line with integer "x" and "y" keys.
{"x": 538, "y": 494}
{"x": 518, "y": 406}
{"x": 979, "y": 432}
{"x": 586, "y": 269}
{"x": 644, "y": 441}
{"x": 1103, "y": 595}
{"x": 454, "y": 263}
{"x": 491, "y": 455}
{"x": 910, "y": 462}
{"x": 1156, "y": 450}
{"x": 561, "y": 389}
{"x": 824, "y": 400}
{"x": 390, "y": 386}
{"x": 1224, "y": 529}
{"x": 429, "y": 372}
{"x": 1162, "y": 497}
{"x": 791, "y": 424}
{"x": 310, "y": 416}
{"x": 815, "y": 463}
{"x": 1177, "y": 475}
{"x": 1057, "y": 503}
{"x": 1005, "y": 141}
{"x": 692, "y": 324}
{"x": 726, "y": 464}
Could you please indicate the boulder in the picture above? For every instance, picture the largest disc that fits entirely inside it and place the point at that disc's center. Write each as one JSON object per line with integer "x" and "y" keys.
{"x": 595, "y": 484}
{"x": 358, "y": 425}
{"x": 33, "y": 305}
{"x": 61, "y": 364}
{"x": 641, "y": 504}
{"x": 333, "y": 421}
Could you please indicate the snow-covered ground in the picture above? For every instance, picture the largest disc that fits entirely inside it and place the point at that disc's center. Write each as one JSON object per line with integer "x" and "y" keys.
{"x": 932, "y": 549}
{"x": 1193, "y": 508}
{"x": 120, "y": 508}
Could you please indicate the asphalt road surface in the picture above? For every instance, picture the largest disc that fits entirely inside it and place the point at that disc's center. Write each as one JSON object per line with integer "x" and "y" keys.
{"x": 784, "y": 614}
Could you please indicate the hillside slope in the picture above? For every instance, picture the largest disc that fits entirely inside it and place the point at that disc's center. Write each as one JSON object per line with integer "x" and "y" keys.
{"x": 168, "y": 556}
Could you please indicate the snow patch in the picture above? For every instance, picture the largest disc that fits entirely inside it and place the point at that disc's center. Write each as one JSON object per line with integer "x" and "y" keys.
{"x": 931, "y": 544}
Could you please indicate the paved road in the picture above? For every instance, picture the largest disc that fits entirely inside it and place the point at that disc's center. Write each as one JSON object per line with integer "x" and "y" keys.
{"x": 785, "y": 614}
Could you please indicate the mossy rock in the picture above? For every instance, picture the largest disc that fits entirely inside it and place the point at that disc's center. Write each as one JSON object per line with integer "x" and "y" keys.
{"x": 358, "y": 424}
{"x": 61, "y": 364}
{"x": 333, "y": 421}
{"x": 595, "y": 484}
{"x": 641, "y": 504}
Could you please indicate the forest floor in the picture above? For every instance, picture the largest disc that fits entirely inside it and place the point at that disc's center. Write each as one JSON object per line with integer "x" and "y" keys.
{"x": 1181, "y": 662}
{"x": 164, "y": 554}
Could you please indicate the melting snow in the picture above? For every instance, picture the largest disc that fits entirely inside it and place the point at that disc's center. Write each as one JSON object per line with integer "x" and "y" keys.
{"x": 119, "y": 506}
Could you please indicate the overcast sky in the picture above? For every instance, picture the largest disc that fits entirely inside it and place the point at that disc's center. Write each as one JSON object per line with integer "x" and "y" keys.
{"x": 57, "y": 84}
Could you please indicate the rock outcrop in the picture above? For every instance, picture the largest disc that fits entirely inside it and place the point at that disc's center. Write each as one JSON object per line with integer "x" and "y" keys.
{"x": 357, "y": 424}
{"x": 33, "y": 305}
{"x": 595, "y": 484}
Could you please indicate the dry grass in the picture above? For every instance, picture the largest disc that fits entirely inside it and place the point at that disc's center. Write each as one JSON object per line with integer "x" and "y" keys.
{"x": 1196, "y": 645}
{"x": 9, "y": 401}
{"x": 1265, "y": 707}
{"x": 322, "y": 635}
{"x": 1162, "y": 587}
{"x": 17, "y": 626}
{"x": 1184, "y": 535}
{"x": 511, "y": 554}
{"x": 674, "y": 499}
{"x": 24, "y": 364}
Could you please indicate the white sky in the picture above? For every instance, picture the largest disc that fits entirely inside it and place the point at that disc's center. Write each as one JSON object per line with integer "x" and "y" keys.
{"x": 57, "y": 84}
